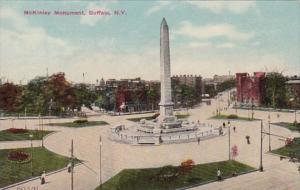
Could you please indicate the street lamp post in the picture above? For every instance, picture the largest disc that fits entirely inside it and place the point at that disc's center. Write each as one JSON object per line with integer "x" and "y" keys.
{"x": 261, "y": 146}
{"x": 25, "y": 118}
{"x": 229, "y": 154}
{"x": 100, "y": 164}
{"x": 269, "y": 121}
{"x": 72, "y": 165}
{"x": 295, "y": 117}
{"x": 42, "y": 132}
{"x": 252, "y": 111}
{"x": 31, "y": 163}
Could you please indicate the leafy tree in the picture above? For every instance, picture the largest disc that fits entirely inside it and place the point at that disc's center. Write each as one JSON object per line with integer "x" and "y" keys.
{"x": 84, "y": 96}
{"x": 188, "y": 95}
{"x": 275, "y": 87}
{"x": 226, "y": 85}
{"x": 10, "y": 96}
{"x": 35, "y": 96}
{"x": 210, "y": 89}
{"x": 152, "y": 97}
{"x": 61, "y": 92}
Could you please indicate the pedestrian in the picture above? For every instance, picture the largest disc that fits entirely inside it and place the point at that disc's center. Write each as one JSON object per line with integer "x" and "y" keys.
{"x": 248, "y": 139}
{"x": 219, "y": 174}
{"x": 233, "y": 128}
{"x": 69, "y": 166}
{"x": 198, "y": 140}
{"x": 220, "y": 130}
{"x": 234, "y": 173}
{"x": 43, "y": 178}
{"x": 224, "y": 125}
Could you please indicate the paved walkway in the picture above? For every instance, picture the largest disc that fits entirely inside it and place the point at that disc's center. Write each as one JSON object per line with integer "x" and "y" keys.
{"x": 278, "y": 175}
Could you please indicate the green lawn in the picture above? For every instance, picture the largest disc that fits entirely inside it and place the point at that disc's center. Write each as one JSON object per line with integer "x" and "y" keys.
{"x": 290, "y": 126}
{"x": 286, "y": 150}
{"x": 222, "y": 116}
{"x": 42, "y": 160}
{"x": 5, "y": 135}
{"x": 137, "y": 119}
{"x": 78, "y": 125}
{"x": 151, "y": 178}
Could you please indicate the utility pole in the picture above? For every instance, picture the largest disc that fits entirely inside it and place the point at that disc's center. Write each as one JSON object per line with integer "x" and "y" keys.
{"x": 31, "y": 147}
{"x": 295, "y": 117}
{"x": 72, "y": 166}
{"x": 100, "y": 164}
{"x": 229, "y": 154}
{"x": 25, "y": 118}
{"x": 261, "y": 146}
{"x": 269, "y": 121}
{"x": 252, "y": 111}
{"x": 42, "y": 132}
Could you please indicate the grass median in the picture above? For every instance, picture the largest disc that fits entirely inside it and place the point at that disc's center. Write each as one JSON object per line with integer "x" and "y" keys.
{"x": 78, "y": 124}
{"x": 42, "y": 160}
{"x": 16, "y": 134}
{"x": 288, "y": 150}
{"x": 170, "y": 177}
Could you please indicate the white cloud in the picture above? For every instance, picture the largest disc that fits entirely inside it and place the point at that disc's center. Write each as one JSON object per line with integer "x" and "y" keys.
{"x": 25, "y": 47}
{"x": 200, "y": 44}
{"x": 114, "y": 65}
{"x": 236, "y": 7}
{"x": 159, "y": 5}
{"x": 256, "y": 43}
{"x": 226, "y": 45}
{"x": 92, "y": 20}
{"x": 211, "y": 31}
{"x": 191, "y": 61}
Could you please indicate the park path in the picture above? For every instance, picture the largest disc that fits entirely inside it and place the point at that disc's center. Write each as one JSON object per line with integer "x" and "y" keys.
{"x": 115, "y": 157}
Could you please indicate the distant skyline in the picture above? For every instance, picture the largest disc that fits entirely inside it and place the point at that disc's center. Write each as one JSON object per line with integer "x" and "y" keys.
{"x": 207, "y": 38}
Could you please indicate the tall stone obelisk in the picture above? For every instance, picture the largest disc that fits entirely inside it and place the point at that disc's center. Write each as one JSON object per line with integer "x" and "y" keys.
{"x": 166, "y": 104}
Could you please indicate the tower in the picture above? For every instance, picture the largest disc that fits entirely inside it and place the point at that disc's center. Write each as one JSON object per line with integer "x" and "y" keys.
{"x": 166, "y": 104}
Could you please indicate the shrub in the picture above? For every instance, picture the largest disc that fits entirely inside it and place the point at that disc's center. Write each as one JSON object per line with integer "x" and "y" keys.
{"x": 288, "y": 141}
{"x": 187, "y": 166}
{"x": 18, "y": 156}
{"x": 80, "y": 121}
{"x": 17, "y": 130}
{"x": 155, "y": 115}
{"x": 232, "y": 116}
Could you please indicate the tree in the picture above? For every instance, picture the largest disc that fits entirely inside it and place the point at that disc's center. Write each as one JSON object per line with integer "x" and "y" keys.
{"x": 188, "y": 95}
{"x": 152, "y": 97}
{"x": 84, "y": 96}
{"x": 10, "y": 97}
{"x": 35, "y": 95}
{"x": 275, "y": 87}
{"x": 61, "y": 92}
{"x": 210, "y": 89}
{"x": 226, "y": 85}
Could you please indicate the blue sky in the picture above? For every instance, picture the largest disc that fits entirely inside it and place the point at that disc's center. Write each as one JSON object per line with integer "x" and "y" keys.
{"x": 207, "y": 38}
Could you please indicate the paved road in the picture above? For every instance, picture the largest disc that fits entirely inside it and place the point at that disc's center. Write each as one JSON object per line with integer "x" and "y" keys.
{"x": 278, "y": 175}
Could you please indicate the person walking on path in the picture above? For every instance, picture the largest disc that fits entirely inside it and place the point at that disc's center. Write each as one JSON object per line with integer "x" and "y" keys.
{"x": 248, "y": 139}
{"x": 233, "y": 128}
{"x": 219, "y": 174}
{"x": 198, "y": 140}
{"x": 43, "y": 178}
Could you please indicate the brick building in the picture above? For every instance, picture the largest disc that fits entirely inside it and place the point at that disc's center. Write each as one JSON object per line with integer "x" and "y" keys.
{"x": 250, "y": 89}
